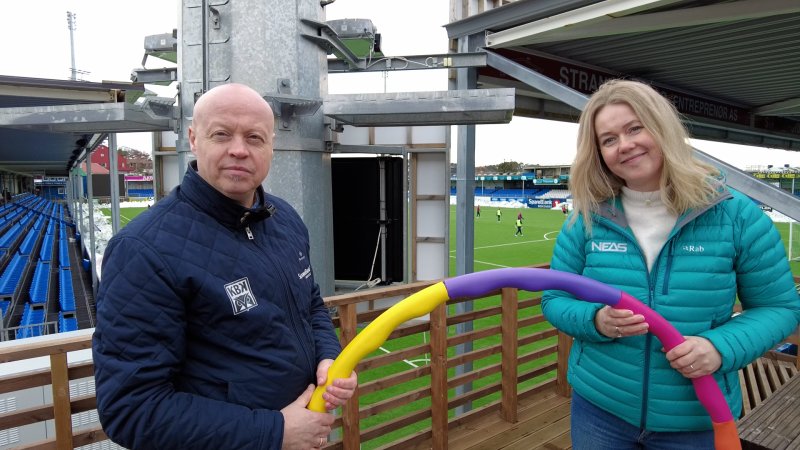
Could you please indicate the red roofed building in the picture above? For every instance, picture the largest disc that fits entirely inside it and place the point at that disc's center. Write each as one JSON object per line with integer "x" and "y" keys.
{"x": 101, "y": 156}
{"x": 97, "y": 169}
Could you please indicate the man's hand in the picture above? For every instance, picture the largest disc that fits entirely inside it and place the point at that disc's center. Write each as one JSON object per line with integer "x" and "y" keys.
{"x": 340, "y": 390}
{"x": 304, "y": 429}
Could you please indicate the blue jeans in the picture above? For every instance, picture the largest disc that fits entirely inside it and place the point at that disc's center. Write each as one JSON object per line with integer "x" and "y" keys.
{"x": 595, "y": 429}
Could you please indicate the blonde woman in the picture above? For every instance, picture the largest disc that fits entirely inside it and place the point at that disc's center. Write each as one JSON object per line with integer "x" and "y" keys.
{"x": 654, "y": 221}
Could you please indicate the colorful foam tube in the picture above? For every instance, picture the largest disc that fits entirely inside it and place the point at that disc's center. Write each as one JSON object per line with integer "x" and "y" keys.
{"x": 477, "y": 284}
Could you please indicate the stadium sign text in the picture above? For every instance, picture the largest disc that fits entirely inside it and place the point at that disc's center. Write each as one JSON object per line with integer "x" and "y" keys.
{"x": 540, "y": 202}
{"x": 587, "y": 79}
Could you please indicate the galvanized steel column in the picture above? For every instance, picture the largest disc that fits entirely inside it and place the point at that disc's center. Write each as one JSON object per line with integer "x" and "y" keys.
{"x": 258, "y": 43}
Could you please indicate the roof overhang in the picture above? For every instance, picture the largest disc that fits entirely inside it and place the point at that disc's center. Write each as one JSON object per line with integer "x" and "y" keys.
{"x": 47, "y": 126}
{"x": 731, "y": 67}
{"x": 469, "y": 106}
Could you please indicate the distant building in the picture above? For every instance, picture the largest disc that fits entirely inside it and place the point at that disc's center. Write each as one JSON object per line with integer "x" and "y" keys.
{"x": 101, "y": 156}
{"x": 139, "y": 162}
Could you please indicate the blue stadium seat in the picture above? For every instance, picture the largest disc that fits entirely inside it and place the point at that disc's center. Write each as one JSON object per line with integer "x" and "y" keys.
{"x": 10, "y": 236}
{"x": 63, "y": 251}
{"x": 12, "y": 275}
{"x": 32, "y": 323}
{"x": 46, "y": 252}
{"x": 67, "y": 322}
{"x": 26, "y": 248}
{"x": 40, "y": 285}
{"x": 66, "y": 296}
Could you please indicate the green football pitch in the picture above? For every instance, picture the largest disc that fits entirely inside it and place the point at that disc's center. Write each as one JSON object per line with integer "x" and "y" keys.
{"x": 497, "y": 246}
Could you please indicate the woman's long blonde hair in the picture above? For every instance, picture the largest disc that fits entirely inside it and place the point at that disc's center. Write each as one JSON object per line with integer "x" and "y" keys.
{"x": 685, "y": 183}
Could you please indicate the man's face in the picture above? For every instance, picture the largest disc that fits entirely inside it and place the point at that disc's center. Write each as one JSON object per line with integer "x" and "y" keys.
{"x": 231, "y": 137}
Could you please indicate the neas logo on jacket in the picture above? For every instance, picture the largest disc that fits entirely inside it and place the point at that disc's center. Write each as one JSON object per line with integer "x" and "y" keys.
{"x": 615, "y": 247}
{"x": 240, "y": 295}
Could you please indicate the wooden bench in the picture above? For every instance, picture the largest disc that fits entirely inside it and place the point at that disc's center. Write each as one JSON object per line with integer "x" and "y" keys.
{"x": 774, "y": 424}
{"x": 763, "y": 377}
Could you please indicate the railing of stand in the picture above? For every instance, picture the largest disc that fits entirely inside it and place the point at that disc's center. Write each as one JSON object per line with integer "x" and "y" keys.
{"x": 407, "y": 393}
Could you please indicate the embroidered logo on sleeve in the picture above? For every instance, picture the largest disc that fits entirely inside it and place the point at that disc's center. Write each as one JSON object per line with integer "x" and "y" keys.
{"x": 240, "y": 295}
{"x": 305, "y": 273}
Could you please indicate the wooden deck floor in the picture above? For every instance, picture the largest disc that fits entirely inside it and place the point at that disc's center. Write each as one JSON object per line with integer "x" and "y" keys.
{"x": 543, "y": 423}
{"x": 543, "y": 417}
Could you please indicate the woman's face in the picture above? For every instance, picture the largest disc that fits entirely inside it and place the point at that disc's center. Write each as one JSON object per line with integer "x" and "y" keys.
{"x": 627, "y": 148}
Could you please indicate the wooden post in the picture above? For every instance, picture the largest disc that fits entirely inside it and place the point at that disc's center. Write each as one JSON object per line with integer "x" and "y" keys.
{"x": 564, "y": 346}
{"x": 351, "y": 428}
{"x": 62, "y": 410}
{"x": 509, "y": 330}
{"x": 439, "y": 403}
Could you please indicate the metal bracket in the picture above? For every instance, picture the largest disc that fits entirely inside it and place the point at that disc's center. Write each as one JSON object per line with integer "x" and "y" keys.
{"x": 286, "y": 106}
{"x": 328, "y": 40}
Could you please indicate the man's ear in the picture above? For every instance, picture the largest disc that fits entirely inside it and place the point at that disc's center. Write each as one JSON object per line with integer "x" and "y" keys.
{"x": 192, "y": 138}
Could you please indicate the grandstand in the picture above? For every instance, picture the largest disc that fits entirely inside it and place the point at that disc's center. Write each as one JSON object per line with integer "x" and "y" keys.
{"x": 537, "y": 187}
{"x": 42, "y": 289}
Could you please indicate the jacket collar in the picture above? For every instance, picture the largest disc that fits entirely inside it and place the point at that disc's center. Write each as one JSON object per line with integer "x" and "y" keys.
{"x": 209, "y": 200}
{"x": 612, "y": 209}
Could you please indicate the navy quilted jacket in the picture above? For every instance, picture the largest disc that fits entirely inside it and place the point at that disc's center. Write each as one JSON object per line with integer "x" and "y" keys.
{"x": 208, "y": 323}
{"x": 712, "y": 255}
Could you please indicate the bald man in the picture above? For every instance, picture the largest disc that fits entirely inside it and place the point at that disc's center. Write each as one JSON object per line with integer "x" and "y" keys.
{"x": 211, "y": 331}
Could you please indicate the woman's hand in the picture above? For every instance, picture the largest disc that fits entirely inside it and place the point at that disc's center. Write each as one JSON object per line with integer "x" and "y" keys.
{"x": 618, "y": 323}
{"x": 695, "y": 357}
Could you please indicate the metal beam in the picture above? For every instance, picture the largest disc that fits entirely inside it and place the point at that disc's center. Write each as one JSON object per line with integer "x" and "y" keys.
{"x": 369, "y": 149}
{"x": 86, "y": 118}
{"x": 515, "y": 13}
{"x": 536, "y": 80}
{"x": 767, "y": 194}
{"x": 154, "y": 75}
{"x": 473, "y": 106}
{"x": 415, "y": 62}
{"x": 779, "y": 108}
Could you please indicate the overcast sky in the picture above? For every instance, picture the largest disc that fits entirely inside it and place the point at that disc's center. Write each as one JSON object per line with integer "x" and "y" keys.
{"x": 109, "y": 40}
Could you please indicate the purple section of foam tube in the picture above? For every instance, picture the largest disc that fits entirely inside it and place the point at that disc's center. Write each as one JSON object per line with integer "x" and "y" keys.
{"x": 479, "y": 283}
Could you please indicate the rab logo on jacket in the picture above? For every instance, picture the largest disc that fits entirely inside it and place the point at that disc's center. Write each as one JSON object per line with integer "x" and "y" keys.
{"x": 241, "y": 296}
{"x": 615, "y": 247}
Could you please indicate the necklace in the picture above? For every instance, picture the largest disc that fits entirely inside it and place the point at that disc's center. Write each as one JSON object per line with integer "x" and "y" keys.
{"x": 650, "y": 197}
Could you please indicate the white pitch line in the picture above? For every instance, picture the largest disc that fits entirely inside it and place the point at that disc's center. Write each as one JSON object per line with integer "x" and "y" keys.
{"x": 487, "y": 263}
{"x": 405, "y": 360}
{"x": 492, "y": 264}
{"x": 547, "y": 234}
{"x": 510, "y": 243}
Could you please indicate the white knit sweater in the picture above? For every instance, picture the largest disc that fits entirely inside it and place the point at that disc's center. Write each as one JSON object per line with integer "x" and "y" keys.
{"x": 649, "y": 219}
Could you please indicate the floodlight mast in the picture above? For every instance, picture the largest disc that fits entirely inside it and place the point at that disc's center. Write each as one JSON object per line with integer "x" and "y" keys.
{"x": 71, "y": 24}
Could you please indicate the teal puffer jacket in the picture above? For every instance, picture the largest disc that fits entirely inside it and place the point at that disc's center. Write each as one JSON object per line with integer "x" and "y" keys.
{"x": 711, "y": 255}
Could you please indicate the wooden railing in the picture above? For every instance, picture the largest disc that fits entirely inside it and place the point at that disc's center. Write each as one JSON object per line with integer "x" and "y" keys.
{"x": 408, "y": 392}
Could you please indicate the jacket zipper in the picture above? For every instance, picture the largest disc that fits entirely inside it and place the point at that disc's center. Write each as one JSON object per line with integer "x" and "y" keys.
{"x": 648, "y": 343}
{"x": 649, "y": 337}
{"x": 290, "y": 305}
